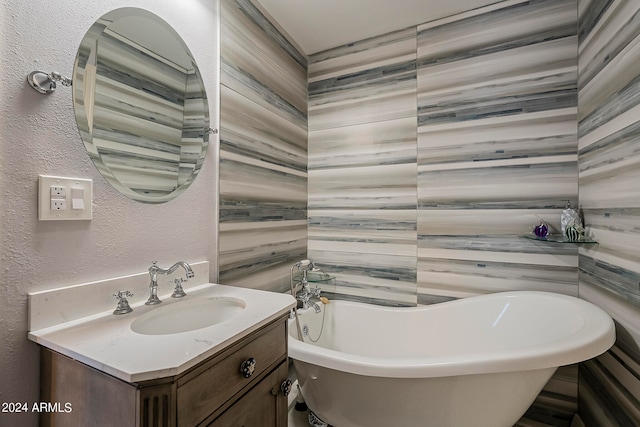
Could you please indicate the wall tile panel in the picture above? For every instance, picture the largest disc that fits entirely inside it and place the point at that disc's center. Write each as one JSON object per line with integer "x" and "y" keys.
{"x": 609, "y": 160}
{"x": 497, "y": 148}
{"x": 362, "y": 168}
{"x": 263, "y": 151}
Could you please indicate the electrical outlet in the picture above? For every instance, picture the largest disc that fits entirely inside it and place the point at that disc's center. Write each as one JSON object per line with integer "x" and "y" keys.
{"x": 58, "y": 204}
{"x": 58, "y": 192}
{"x": 61, "y": 198}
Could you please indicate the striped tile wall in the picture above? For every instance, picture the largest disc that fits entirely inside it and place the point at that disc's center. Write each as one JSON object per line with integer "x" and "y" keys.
{"x": 496, "y": 152}
{"x": 263, "y": 151}
{"x": 497, "y": 148}
{"x": 362, "y": 168}
{"x": 609, "y": 178}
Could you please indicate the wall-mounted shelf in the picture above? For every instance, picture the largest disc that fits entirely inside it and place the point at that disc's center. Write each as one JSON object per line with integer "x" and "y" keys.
{"x": 559, "y": 238}
{"x": 315, "y": 277}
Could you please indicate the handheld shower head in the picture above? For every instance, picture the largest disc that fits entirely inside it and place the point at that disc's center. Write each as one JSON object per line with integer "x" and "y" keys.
{"x": 305, "y": 265}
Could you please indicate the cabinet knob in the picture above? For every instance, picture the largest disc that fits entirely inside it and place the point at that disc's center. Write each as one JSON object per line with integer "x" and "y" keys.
{"x": 247, "y": 367}
{"x": 286, "y": 387}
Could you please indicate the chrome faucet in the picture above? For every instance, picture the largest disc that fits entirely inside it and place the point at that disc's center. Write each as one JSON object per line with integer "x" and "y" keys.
{"x": 305, "y": 297}
{"x": 306, "y": 293}
{"x": 154, "y": 270}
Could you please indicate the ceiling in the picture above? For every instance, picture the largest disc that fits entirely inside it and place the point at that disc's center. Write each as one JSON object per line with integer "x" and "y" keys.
{"x": 316, "y": 25}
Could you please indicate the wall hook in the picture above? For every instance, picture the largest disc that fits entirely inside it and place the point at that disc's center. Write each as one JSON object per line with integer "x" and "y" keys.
{"x": 45, "y": 83}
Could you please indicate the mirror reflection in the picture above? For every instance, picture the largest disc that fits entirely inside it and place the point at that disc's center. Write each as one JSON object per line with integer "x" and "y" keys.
{"x": 140, "y": 105}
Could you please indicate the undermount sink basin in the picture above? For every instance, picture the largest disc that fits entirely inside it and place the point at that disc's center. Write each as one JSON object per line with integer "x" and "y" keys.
{"x": 185, "y": 316}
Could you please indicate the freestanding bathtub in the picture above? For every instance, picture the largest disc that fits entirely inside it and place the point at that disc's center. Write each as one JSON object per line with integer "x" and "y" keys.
{"x": 478, "y": 361}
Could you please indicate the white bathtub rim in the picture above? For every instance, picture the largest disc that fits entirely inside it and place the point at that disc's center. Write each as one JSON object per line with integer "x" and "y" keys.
{"x": 595, "y": 337}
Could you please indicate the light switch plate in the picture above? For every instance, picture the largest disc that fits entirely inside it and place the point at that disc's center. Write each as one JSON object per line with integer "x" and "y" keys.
{"x": 63, "y": 191}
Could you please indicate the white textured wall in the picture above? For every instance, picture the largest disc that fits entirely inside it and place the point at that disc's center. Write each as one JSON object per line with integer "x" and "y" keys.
{"x": 38, "y": 135}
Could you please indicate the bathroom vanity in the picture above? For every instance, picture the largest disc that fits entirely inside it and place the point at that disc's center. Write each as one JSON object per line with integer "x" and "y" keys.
{"x": 232, "y": 373}
{"x": 212, "y": 393}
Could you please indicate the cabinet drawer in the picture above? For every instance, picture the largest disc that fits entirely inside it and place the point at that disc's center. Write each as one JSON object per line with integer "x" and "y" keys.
{"x": 263, "y": 406}
{"x": 200, "y": 396}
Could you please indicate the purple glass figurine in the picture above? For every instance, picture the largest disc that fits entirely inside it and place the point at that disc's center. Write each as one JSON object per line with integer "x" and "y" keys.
{"x": 541, "y": 230}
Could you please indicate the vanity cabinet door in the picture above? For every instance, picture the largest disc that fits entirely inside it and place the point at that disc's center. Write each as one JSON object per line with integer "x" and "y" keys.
{"x": 263, "y": 406}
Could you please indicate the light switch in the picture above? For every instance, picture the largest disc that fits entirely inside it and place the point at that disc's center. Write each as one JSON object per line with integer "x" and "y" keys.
{"x": 77, "y": 198}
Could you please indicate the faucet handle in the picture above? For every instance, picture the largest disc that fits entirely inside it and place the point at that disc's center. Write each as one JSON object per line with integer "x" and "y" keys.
{"x": 178, "y": 292}
{"x": 123, "y": 305}
{"x": 124, "y": 294}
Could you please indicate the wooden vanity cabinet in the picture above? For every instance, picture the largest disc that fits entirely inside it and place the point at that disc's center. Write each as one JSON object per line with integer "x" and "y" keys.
{"x": 214, "y": 393}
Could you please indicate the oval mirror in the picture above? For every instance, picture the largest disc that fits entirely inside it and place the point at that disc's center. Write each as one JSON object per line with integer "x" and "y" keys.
{"x": 140, "y": 105}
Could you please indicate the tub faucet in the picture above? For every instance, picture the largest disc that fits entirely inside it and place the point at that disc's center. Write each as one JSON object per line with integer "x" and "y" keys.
{"x": 306, "y": 293}
{"x": 154, "y": 270}
{"x": 305, "y": 297}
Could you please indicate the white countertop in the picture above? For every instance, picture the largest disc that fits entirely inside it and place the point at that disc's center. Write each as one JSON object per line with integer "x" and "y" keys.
{"x": 106, "y": 342}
